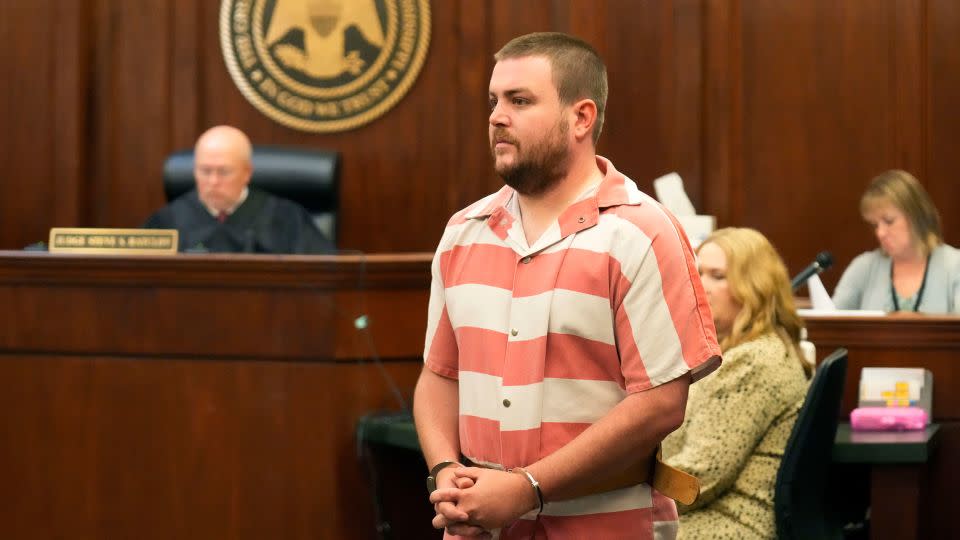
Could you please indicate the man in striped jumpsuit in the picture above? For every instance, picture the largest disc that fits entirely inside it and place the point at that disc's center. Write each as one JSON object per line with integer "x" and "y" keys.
{"x": 566, "y": 322}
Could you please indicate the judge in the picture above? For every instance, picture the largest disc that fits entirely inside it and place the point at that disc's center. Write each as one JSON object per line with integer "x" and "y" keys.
{"x": 224, "y": 214}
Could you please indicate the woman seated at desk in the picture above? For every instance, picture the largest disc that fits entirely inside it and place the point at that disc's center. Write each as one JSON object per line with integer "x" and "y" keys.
{"x": 912, "y": 270}
{"x": 739, "y": 418}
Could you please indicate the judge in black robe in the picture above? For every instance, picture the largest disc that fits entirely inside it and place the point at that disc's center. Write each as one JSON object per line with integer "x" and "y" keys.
{"x": 223, "y": 214}
{"x": 262, "y": 223}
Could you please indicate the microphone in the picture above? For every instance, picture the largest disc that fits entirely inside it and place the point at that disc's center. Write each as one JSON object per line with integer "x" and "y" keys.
{"x": 823, "y": 261}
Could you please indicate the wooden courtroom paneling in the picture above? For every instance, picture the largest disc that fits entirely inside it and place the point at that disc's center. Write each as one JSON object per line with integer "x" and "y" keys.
{"x": 776, "y": 114}
{"x": 129, "y": 105}
{"x": 146, "y": 77}
{"x": 654, "y": 116}
{"x": 806, "y": 102}
{"x": 193, "y": 448}
{"x": 942, "y": 63}
{"x": 401, "y": 177}
{"x": 199, "y": 298}
{"x": 429, "y": 156}
{"x": 41, "y": 118}
{"x": 237, "y": 419}
{"x": 199, "y": 396}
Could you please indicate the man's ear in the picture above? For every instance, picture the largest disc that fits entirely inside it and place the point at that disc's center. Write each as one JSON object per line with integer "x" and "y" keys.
{"x": 585, "y": 112}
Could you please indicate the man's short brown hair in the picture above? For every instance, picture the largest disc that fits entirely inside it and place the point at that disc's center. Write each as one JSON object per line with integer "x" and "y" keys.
{"x": 578, "y": 71}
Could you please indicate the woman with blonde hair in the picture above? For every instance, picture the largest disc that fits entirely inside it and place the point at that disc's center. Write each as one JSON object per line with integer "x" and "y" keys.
{"x": 912, "y": 270}
{"x": 739, "y": 418}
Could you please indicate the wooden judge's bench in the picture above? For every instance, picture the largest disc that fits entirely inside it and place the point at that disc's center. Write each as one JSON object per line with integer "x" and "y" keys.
{"x": 215, "y": 396}
{"x": 198, "y": 396}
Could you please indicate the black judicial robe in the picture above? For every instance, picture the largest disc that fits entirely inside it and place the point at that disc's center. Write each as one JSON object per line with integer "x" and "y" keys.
{"x": 262, "y": 224}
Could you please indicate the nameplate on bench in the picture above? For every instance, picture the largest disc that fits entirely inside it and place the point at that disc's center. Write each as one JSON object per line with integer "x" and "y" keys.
{"x": 113, "y": 241}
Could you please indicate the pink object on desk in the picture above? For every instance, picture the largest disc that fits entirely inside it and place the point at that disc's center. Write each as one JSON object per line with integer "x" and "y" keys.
{"x": 888, "y": 419}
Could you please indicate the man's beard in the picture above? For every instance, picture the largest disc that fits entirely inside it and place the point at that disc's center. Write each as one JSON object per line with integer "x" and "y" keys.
{"x": 544, "y": 165}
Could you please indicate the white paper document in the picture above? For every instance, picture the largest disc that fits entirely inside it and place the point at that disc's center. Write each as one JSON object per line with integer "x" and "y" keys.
{"x": 670, "y": 193}
{"x": 897, "y": 387}
{"x": 893, "y": 386}
{"x": 819, "y": 297}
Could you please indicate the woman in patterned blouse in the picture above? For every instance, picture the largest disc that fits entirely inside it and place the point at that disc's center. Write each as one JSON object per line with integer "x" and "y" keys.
{"x": 739, "y": 418}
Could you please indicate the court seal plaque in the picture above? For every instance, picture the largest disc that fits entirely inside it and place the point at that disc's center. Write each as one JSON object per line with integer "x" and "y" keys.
{"x": 324, "y": 65}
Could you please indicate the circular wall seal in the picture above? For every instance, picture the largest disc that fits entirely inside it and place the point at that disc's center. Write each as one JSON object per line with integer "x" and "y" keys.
{"x": 324, "y": 65}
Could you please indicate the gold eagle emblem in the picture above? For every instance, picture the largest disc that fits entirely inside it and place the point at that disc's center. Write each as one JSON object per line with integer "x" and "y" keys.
{"x": 324, "y": 24}
{"x": 324, "y": 65}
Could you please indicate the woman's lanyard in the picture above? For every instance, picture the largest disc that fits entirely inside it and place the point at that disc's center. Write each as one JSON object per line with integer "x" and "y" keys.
{"x": 923, "y": 284}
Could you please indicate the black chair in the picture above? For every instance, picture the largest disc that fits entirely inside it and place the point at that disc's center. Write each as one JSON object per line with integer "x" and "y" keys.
{"x": 308, "y": 177}
{"x": 801, "y": 494}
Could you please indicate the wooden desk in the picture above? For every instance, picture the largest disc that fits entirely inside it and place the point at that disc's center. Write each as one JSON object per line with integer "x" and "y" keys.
{"x": 898, "y": 474}
{"x": 198, "y": 396}
{"x": 884, "y": 447}
{"x": 906, "y": 340}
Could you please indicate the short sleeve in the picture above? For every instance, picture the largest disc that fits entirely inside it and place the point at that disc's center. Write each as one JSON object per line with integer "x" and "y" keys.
{"x": 440, "y": 352}
{"x": 664, "y": 327}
